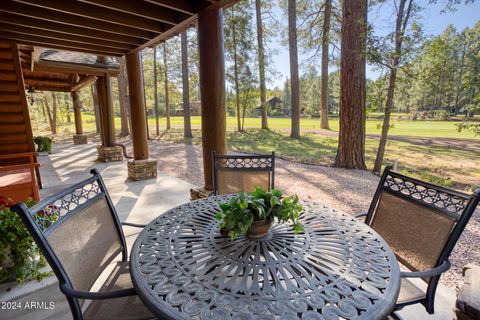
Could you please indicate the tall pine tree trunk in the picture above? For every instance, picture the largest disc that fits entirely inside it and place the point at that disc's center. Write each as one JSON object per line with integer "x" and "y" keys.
{"x": 96, "y": 108}
{"x": 53, "y": 128}
{"x": 187, "y": 127}
{"x": 236, "y": 82}
{"x": 294, "y": 79}
{"x": 261, "y": 65}
{"x": 460, "y": 75}
{"x": 351, "y": 137}
{"x": 54, "y": 113}
{"x": 400, "y": 27}
{"x": 122, "y": 97}
{"x": 325, "y": 61}
{"x": 155, "y": 90}
{"x": 165, "y": 66}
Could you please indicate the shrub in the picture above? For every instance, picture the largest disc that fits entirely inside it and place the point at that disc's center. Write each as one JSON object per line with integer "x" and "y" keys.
{"x": 44, "y": 144}
{"x": 20, "y": 257}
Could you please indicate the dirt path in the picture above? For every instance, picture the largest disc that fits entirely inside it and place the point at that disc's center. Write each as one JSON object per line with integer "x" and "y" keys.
{"x": 464, "y": 144}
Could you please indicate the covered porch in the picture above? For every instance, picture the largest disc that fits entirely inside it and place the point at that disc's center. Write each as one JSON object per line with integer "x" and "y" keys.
{"x": 137, "y": 202}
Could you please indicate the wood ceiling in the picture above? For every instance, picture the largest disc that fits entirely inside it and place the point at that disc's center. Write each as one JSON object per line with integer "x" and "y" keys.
{"x": 102, "y": 27}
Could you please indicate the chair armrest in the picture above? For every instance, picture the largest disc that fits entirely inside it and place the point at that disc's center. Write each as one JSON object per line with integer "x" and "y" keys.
{"x": 429, "y": 273}
{"x": 136, "y": 225}
{"x": 97, "y": 295}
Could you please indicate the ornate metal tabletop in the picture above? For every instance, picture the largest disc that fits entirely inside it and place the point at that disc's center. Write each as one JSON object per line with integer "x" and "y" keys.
{"x": 339, "y": 268}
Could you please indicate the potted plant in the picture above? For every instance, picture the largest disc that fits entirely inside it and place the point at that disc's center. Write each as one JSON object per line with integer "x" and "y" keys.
{"x": 44, "y": 144}
{"x": 253, "y": 213}
{"x": 20, "y": 258}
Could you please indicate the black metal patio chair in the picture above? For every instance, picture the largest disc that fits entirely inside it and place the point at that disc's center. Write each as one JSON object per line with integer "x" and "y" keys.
{"x": 235, "y": 173}
{"x": 421, "y": 222}
{"x": 79, "y": 233}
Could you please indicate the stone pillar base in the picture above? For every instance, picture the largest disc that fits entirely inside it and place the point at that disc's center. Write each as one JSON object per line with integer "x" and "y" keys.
{"x": 108, "y": 154}
{"x": 80, "y": 139}
{"x": 142, "y": 169}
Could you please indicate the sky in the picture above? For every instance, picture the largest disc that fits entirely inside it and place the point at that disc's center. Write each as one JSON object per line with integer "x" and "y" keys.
{"x": 432, "y": 18}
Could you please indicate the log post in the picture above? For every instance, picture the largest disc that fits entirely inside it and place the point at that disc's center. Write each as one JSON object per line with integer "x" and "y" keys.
{"x": 141, "y": 167}
{"x": 79, "y": 137}
{"x": 212, "y": 87}
{"x": 107, "y": 151}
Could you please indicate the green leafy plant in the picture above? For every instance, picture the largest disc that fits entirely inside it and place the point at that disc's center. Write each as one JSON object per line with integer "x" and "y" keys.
{"x": 44, "y": 144}
{"x": 238, "y": 214}
{"x": 19, "y": 255}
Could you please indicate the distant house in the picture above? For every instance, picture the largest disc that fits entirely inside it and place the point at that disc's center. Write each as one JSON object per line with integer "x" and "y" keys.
{"x": 275, "y": 104}
{"x": 195, "y": 109}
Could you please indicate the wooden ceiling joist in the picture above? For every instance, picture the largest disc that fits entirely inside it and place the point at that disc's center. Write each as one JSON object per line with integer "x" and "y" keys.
{"x": 142, "y": 9}
{"x": 39, "y": 24}
{"x": 184, "y": 6}
{"x": 99, "y": 27}
{"x": 69, "y": 20}
{"x": 75, "y": 8}
{"x": 62, "y": 44}
{"x": 64, "y": 37}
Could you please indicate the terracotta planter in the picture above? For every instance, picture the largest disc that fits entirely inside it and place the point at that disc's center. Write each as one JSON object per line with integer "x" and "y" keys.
{"x": 224, "y": 232}
{"x": 259, "y": 228}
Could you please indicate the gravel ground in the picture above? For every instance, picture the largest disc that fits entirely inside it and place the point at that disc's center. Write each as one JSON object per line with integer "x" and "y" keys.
{"x": 348, "y": 190}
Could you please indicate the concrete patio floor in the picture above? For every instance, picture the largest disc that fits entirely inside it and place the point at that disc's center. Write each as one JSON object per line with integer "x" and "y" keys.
{"x": 137, "y": 202}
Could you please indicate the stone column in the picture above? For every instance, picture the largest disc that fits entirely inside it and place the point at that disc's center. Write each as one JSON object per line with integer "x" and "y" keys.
{"x": 79, "y": 137}
{"x": 141, "y": 167}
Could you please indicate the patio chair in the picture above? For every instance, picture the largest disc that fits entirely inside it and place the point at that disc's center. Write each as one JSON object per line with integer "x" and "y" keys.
{"x": 422, "y": 223}
{"x": 79, "y": 233}
{"x": 235, "y": 173}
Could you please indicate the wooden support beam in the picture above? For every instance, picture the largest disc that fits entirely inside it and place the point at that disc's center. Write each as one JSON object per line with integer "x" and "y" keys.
{"x": 83, "y": 83}
{"x": 65, "y": 37}
{"x": 142, "y": 9}
{"x": 47, "y": 83}
{"x": 59, "y": 67}
{"x": 69, "y": 20}
{"x": 51, "y": 43}
{"x": 212, "y": 87}
{"x": 77, "y": 112}
{"x": 70, "y": 30}
{"x": 137, "y": 106}
{"x": 104, "y": 92}
{"x": 35, "y": 56}
{"x": 74, "y": 8}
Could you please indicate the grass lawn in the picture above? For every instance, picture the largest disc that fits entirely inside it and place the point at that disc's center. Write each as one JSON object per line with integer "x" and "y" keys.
{"x": 440, "y": 165}
{"x": 433, "y": 129}
{"x": 443, "y": 129}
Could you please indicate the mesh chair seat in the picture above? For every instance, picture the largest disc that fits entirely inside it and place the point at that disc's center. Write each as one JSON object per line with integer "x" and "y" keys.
{"x": 127, "y": 308}
{"x": 409, "y": 292}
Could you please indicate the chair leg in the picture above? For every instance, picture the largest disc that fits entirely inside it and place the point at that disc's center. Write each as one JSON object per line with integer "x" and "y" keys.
{"x": 393, "y": 316}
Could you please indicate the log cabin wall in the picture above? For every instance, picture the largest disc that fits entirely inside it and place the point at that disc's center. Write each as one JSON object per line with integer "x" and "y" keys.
{"x": 15, "y": 129}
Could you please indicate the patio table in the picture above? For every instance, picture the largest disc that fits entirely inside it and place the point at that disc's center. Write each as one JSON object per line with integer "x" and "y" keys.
{"x": 182, "y": 268}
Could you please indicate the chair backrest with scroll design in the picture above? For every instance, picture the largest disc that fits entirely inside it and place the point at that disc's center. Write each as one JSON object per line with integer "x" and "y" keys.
{"x": 235, "y": 173}
{"x": 420, "y": 221}
{"x": 78, "y": 232}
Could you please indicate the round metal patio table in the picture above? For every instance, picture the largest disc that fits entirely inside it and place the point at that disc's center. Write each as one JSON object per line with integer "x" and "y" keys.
{"x": 339, "y": 268}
